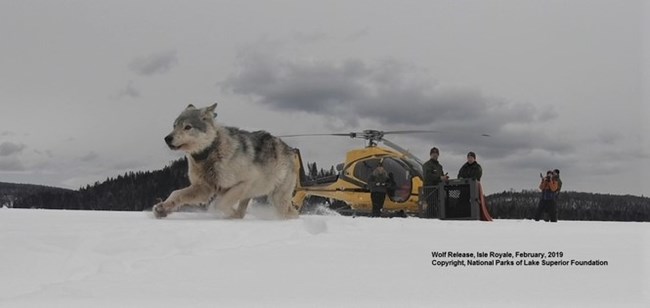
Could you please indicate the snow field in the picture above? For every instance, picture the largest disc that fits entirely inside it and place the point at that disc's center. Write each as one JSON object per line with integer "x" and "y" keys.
{"x": 129, "y": 259}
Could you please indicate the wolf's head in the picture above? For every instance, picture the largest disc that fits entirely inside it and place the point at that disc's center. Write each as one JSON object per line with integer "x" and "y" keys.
{"x": 194, "y": 129}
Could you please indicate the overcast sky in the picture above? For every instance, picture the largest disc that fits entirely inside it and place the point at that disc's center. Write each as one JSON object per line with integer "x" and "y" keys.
{"x": 88, "y": 89}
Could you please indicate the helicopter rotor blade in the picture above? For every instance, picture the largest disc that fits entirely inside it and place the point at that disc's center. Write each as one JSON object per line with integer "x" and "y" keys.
{"x": 376, "y": 134}
{"x": 401, "y": 149}
{"x": 351, "y": 135}
{"x": 404, "y": 132}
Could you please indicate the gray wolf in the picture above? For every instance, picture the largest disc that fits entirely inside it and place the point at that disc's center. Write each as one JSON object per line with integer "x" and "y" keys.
{"x": 229, "y": 163}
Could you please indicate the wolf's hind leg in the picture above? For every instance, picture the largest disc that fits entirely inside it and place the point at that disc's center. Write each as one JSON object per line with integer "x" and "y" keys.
{"x": 281, "y": 200}
{"x": 241, "y": 209}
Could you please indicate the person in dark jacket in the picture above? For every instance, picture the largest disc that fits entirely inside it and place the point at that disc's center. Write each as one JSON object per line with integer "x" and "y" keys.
{"x": 556, "y": 176}
{"x": 433, "y": 175}
{"x": 471, "y": 169}
{"x": 378, "y": 184}
{"x": 432, "y": 169}
{"x": 549, "y": 187}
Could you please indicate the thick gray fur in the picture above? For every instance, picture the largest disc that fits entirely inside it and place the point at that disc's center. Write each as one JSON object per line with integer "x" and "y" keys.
{"x": 229, "y": 165}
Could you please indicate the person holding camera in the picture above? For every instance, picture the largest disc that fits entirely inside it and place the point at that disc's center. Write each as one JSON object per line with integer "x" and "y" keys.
{"x": 556, "y": 176}
{"x": 549, "y": 187}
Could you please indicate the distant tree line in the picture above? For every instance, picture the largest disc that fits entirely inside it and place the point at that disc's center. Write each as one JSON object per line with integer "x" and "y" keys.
{"x": 11, "y": 192}
{"x": 133, "y": 191}
{"x": 138, "y": 191}
{"x": 314, "y": 173}
{"x": 571, "y": 206}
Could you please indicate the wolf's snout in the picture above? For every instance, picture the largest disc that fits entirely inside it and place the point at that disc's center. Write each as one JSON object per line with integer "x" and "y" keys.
{"x": 169, "y": 139}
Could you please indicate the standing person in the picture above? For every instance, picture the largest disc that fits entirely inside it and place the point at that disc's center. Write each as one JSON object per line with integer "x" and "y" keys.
{"x": 556, "y": 176}
{"x": 549, "y": 187}
{"x": 432, "y": 169}
{"x": 378, "y": 183}
{"x": 471, "y": 169}
{"x": 432, "y": 176}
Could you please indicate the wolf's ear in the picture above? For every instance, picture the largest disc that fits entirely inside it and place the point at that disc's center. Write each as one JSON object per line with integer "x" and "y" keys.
{"x": 212, "y": 108}
{"x": 190, "y": 106}
{"x": 209, "y": 112}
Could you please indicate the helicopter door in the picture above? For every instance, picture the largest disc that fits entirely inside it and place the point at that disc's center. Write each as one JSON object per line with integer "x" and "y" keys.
{"x": 396, "y": 169}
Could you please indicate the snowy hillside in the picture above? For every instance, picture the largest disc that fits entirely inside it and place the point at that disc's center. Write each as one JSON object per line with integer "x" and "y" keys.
{"x": 129, "y": 259}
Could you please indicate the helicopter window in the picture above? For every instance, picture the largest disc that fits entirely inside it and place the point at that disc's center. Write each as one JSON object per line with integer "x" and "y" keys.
{"x": 401, "y": 176}
{"x": 416, "y": 165}
{"x": 396, "y": 169}
{"x": 363, "y": 169}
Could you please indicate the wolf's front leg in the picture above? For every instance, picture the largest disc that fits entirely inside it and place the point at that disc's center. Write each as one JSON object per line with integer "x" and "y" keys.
{"x": 193, "y": 194}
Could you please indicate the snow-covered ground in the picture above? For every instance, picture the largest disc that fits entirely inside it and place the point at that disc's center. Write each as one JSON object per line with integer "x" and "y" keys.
{"x": 128, "y": 259}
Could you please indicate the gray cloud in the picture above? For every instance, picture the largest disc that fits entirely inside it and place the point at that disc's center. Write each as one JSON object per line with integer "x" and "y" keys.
{"x": 303, "y": 37}
{"x": 129, "y": 91}
{"x": 89, "y": 157}
{"x": 392, "y": 95}
{"x": 310, "y": 87}
{"x": 357, "y": 35}
{"x": 128, "y": 165}
{"x": 9, "y": 148}
{"x": 47, "y": 153}
{"x": 11, "y": 164}
{"x": 158, "y": 63}
{"x": 608, "y": 137}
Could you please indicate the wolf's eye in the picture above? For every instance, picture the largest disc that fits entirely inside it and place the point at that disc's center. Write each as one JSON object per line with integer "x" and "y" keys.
{"x": 188, "y": 127}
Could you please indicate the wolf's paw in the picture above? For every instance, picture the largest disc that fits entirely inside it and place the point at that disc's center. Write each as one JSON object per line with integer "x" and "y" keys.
{"x": 159, "y": 211}
{"x": 236, "y": 215}
{"x": 292, "y": 213}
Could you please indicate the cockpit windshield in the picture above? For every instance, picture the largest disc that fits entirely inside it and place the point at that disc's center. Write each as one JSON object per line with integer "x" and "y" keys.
{"x": 415, "y": 165}
{"x": 399, "y": 171}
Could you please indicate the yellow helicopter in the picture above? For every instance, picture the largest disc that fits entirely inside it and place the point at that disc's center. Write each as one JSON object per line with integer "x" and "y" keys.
{"x": 346, "y": 192}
